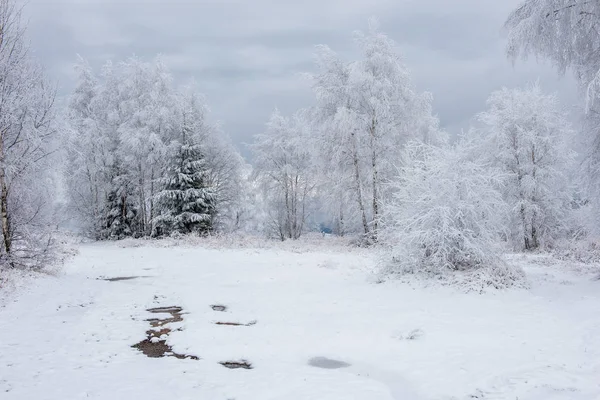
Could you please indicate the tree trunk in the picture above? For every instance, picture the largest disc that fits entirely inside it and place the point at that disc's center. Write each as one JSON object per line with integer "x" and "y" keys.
{"x": 341, "y": 219}
{"x": 359, "y": 194}
{"x": 534, "y": 234}
{"x": 152, "y": 177}
{"x": 288, "y": 209}
{"x": 6, "y": 228}
{"x": 143, "y": 217}
{"x": 375, "y": 229}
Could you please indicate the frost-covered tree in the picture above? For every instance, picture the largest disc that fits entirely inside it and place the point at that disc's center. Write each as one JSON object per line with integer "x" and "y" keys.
{"x": 526, "y": 136}
{"x": 86, "y": 151}
{"x": 27, "y": 126}
{"x": 120, "y": 218}
{"x": 225, "y": 176}
{"x": 123, "y": 126}
{"x": 368, "y": 109}
{"x": 284, "y": 168}
{"x": 445, "y": 216}
{"x": 186, "y": 201}
{"x": 566, "y": 33}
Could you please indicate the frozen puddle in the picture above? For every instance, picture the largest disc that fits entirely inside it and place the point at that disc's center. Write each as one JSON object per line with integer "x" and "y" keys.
{"x": 327, "y": 363}
{"x": 236, "y": 364}
{"x": 155, "y": 345}
{"x": 251, "y": 323}
{"x": 123, "y": 278}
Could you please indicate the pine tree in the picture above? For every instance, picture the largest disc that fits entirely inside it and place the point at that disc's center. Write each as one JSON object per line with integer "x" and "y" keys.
{"x": 121, "y": 217}
{"x": 187, "y": 202}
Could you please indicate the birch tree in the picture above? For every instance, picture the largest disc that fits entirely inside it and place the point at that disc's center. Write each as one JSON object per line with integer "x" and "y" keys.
{"x": 566, "y": 33}
{"x": 369, "y": 109}
{"x": 26, "y": 132}
{"x": 526, "y": 137}
{"x": 86, "y": 152}
{"x": 283, "y": 166}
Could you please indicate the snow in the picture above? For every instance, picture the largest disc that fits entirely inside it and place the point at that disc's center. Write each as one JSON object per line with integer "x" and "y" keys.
{"x": 69, "y": 336}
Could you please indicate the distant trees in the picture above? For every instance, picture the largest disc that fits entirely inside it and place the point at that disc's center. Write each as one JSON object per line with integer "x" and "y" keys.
{"x": 284, "y": 168}
{"x": 526, "y": 136}
{"x": 27, "y": 128}
{"x": 143, "y": 158}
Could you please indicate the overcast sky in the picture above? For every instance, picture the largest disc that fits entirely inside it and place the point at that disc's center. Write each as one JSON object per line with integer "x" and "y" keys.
{"x": 246, "y": 56}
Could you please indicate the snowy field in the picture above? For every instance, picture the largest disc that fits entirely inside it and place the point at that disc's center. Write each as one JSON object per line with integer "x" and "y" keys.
{"x": 319, "y": 327}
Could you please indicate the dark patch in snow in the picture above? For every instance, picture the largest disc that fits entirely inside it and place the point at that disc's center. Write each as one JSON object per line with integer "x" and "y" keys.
{"x": 236, "y": 323}
{"x": 327, "y": 363}
{"x": 236, "y": 364}
{"x": 173, "y": 310}
{"x": 122, "y": 278}
{"x": 219, "y": 307}
{"x": 155, "y": 345}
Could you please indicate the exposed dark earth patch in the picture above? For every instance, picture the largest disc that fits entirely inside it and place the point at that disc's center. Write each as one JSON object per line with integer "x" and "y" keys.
{"x": 236, "y": 323}
{"x": 173, "y": 310}
{"x": 155, "y": 344}
{"x": 122, "y": 278}
{"x": 327, "y": 363}
{"x": 219, "y": 307}
{"x": 236, "y": 364}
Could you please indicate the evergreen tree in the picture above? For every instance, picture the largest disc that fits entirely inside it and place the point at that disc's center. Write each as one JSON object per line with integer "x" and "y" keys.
{"x": 187, "y": 202}
{"x": 121, "y": 217}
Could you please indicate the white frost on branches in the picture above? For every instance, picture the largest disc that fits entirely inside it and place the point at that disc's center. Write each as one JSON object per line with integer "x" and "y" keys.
{"x": 526, "y": 136}
{"x": 445, "y": 218}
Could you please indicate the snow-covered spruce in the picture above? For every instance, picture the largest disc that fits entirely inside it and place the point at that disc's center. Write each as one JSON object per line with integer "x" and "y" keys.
{"x": 186, "y": 202}
{"x": 444, "y": 220}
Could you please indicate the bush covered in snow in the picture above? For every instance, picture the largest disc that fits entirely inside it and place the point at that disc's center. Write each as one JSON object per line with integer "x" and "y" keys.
{"x": 585, "y": 250}
{"x": 445, "y": 219}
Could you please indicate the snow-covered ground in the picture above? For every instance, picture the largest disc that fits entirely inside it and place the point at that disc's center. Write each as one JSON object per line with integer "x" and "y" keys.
{"x": 70, "y": 336}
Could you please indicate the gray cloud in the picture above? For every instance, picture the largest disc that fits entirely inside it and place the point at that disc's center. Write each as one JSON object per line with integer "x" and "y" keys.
{"x": 246, "y": 56}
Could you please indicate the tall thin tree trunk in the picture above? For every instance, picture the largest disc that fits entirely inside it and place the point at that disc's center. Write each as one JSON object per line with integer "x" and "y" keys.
{"x": 359, "y": 194}
{"x": 341, "y": 218}
{"x": 152, "y": 177}
{"x": 534, "y": 234}
{"x": 525, "y": 230}
{"x": 372, "y": 132}
{"x": 144, "y": 215}
{"x": 288, "y": 209}
{"x": 6, "y": 228}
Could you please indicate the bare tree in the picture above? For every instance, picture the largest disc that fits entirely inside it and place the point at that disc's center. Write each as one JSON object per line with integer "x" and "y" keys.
{"x": 26, "y": 129}
{"x": 284, "y": 169}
